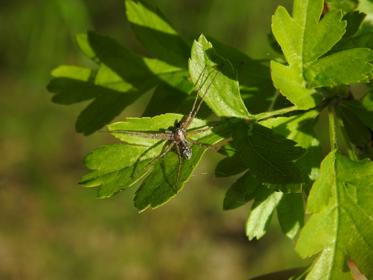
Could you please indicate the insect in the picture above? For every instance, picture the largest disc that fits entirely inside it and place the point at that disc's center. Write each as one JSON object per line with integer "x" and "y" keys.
{"x": 177, "y": 136}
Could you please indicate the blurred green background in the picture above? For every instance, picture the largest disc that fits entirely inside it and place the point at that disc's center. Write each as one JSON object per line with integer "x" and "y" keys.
{"x": 50, "y": 228}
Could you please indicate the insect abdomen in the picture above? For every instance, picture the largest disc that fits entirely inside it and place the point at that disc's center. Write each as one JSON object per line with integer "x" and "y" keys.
{"x": 185, "y": 150}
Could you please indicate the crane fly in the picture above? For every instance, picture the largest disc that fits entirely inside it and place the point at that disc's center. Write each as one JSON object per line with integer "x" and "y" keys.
{"x": 177, "y": 137}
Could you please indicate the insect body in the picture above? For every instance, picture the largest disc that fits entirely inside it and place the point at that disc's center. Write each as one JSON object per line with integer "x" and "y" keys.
{"x": 176, "y": 136}
{"x": 182, "y": 143}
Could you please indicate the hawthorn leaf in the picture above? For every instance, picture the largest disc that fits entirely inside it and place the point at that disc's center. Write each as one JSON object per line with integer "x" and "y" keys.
{"x": 364, "y": 40}
{"x": 300, "y": 129}
{"x": 229, "y": 166}
{"x": 156, "y": 124}
{"x": 345, "y": 5}
{"x": 216, "y": 80}
{"x": 156, "y": 33}
{"x": 304, "y": 38}
{"x": 269, "y": 156}
{"x": 363, "y": 110}
{"x": 165, "y": 181}
{"x": 341, "y": 223}
{"x": 341, "y": 68}
{"x": 110, "y": 94}
{"x": 354, "y": 20}
{"x": 290, "y": 213}
{"x": 254, "y": 77}
{"x": 266, "y": 201}
{"x": 366, "y": 6}
{"x": 116, "y": 167}
{"x": 357, "y": 131}
{"x": 121, "y": 78}
{"x": 242, "y": 191}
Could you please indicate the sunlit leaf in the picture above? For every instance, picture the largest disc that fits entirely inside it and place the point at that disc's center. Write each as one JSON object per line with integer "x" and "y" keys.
{"x": 304, "y": 39}
{"x": 341, "y": 224}
{"x": 266, "y": 201}
{"x": 216, "y": 80}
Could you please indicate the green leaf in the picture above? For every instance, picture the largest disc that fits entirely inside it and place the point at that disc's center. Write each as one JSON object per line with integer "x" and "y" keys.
{"x": 253, "y": 75}
{"x": 168, "y": 177}
{"x": 345, "y": 5}
{"x": 341, "y": 224}
{"x": 156, "y": 33}
{"x": 269, "y": 156}
{"x": 357, "y": 132}
{"x": 290, "y": 213}
{"x": 303, "y": 39}
{"x": 242, "y": 191}
{"x": 229, "y": 166}
{"x": 164, "y": 182}
{"x": 115, "y": 167}
{"x": 216, "y": 80}
{"x": 261, "y": 212}
{"x": 364, "y": 110}
{"x": 300, "y": 129}
{"x": 342, "y": 68}
{"x": 366, "y": 6}
{"x": 157, "y": 124}
{"x": 110, "y": 94}
{"x": 122, "y": 77}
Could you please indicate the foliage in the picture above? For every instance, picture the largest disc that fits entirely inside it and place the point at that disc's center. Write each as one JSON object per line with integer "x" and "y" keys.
{"x": 278, "y": 152}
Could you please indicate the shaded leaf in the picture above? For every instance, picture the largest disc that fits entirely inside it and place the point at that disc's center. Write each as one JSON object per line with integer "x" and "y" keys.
{"x": 290, "y": 213}
{"x": 242, "y": 191}
{"x": 229, "y": 166}
{"x": 110, "y": 93}
{"x": 269, "y": 156}
{"x": 156, "y": 33}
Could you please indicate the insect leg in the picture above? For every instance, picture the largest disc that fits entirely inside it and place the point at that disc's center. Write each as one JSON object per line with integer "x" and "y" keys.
{"x": 142, "y": 155}
{"x": 200, "y": 83}
{"x": 180, "y": 164}
{"x": 194, "y": 113}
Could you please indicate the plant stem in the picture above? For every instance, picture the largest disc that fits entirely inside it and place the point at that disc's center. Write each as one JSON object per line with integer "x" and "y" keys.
{"x": 267, "y": 115}
{"x": 332, "y": 127}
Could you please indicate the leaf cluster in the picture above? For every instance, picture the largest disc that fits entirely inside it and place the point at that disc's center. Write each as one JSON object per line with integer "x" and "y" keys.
{"x": 296, "y": 132}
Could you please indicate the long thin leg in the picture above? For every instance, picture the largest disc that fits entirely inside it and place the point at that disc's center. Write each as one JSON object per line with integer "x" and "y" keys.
{"x": 203, "y": 96}
{"x": 179, "y": 165}
{"x": 142, "y": 155}
{"x": 146, "y": 134}
{"x": 198, "y": 102}
{"x": 186, "y": 119}
{"x": 198, "y": 130}
{"x": 216, "y": 147}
